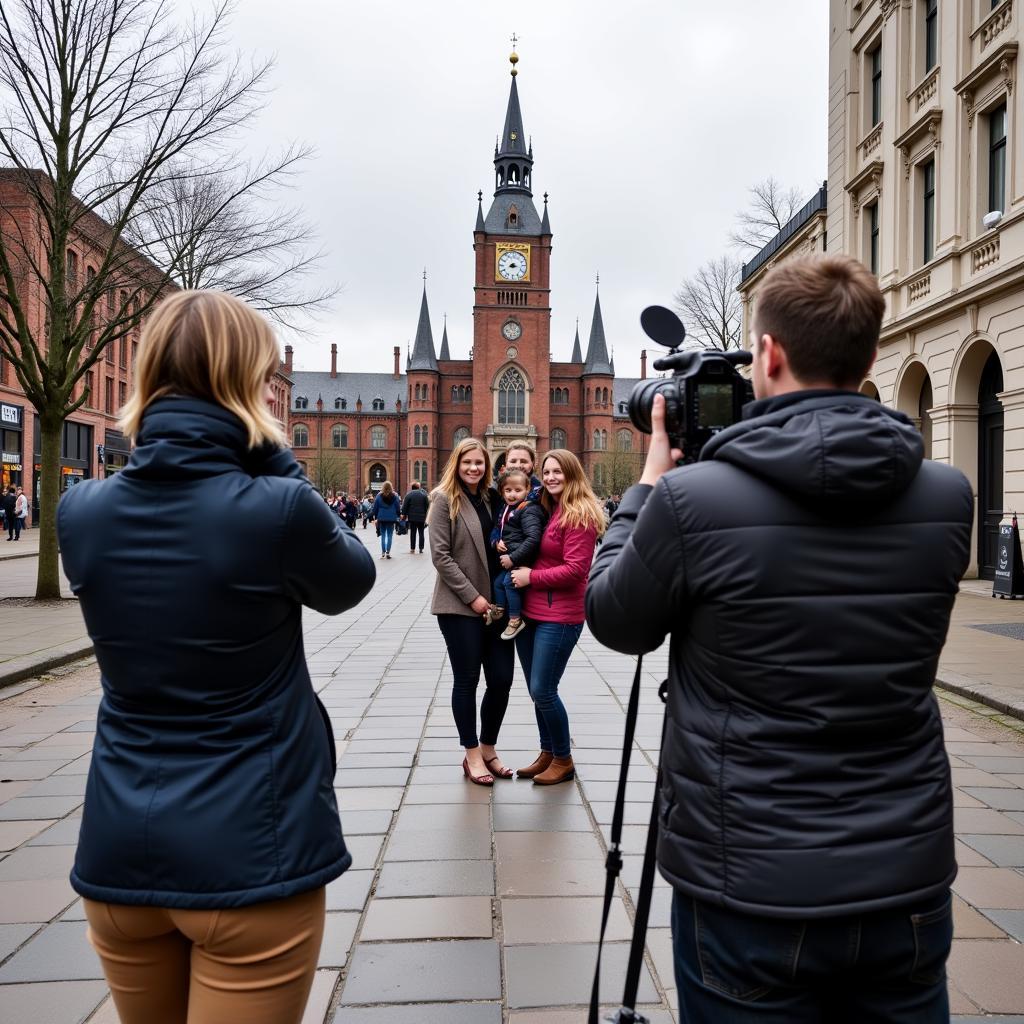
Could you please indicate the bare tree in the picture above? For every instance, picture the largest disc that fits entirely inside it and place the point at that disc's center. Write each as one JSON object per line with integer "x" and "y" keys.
{"x": 234, "y": 237}
{"x": 329, "y": 470}
{"x": 711, "y": 306}
{"x": 109, "y": 107}
{"x": 771, "y": 208}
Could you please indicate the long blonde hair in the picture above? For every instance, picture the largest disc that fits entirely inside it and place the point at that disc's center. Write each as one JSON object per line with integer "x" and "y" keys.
{"x": 579, "y": 505}
{"x": 208, "y": 345}
{"x": 449, "y": 485}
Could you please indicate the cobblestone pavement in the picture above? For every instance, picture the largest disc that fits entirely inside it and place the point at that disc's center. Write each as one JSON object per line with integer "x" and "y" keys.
{"x": 464, "y": 904}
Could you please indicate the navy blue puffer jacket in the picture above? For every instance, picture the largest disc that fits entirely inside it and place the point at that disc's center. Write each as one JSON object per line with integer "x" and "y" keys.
{"x": 212, "y": 770}
{"x": 806, "y": 568}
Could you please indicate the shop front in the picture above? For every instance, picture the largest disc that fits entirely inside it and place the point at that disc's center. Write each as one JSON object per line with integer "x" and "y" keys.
{"x": 75, "y": 458}
{"x": 113, "y": 455}
{"x": 12, "y": 421}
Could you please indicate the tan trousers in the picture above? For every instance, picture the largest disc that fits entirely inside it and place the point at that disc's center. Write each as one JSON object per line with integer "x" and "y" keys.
{"x": 253, "y": 964}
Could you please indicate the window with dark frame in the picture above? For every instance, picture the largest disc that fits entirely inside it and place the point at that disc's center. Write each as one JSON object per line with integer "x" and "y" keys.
{"x": 873, "y": 238}
{"x": 928, "y": 210}
{"x": 931, "y": 34}
{"x": 997, "y": 159}
{"x": 876, "y": 85}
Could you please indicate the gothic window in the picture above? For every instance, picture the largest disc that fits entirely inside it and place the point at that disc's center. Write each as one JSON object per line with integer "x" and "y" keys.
{"x": 378, "y": 437}
{"x": 378, "y": 404}
{"x": 460, "y": 435}
{"x": 300, "y": 436}
{"x": 624, "y": 440}
{"x": 558, "y": 438}
{"x": 416, "y": 435}
{"x": 416, "y": 392}
{"x": 301, "y": 403}
{"x": 597, "y": 440}
{"x": 455, "y": 393}
{"x": 469, "y": 392}
{"x": 339, "y": 436}
{"x": 511, "y": 397}
{"x": 604, "y": 440}
{"x": 426, "y": 435}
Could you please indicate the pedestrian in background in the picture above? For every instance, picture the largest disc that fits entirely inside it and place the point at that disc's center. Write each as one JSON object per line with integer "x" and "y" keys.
{"x": 10, "y": 501}
{"x": 350, "y": 510}
{"x": 463, "y": 509}
{"x": 366, "y": 509}
{"x": 210, "y": 827}
{"x": 414, "y": 511}
{"x": 386, "y": 510}
{"x": 553, "y": 605}
{"x": 22, "y": 504}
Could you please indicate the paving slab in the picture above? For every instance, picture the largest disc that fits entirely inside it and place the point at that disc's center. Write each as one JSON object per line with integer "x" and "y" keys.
{"x": 339, "y": 934}
{"x": 421, "y": 1013}
{"x": 436, "y": 878}
{"x": 435, "y": 917}
{"x": 416, "y": 972}
{"x": 990, "y": 973}
{"x": 69, "y": 1002}
{"x": 60, "y": 952}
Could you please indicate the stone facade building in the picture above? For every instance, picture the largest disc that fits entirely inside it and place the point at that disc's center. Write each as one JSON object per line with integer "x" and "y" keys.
{"x": 354, "y": 430}
{"x": 926, "y": 187}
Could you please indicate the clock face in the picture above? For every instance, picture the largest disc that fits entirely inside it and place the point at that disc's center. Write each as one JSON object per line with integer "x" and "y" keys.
{"x": 511, "y": 330}
{"x": 512, "y": 265}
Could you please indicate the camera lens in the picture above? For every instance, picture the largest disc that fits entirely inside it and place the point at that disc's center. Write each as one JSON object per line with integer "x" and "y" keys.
{"x": 642, "y": 398}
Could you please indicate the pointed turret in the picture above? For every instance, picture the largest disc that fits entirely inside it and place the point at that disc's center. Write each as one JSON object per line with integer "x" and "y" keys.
{"x": 445, "y": 354}
{"x": 577, "y": 352}
{"x": 545, "y": 224}
{"x": 423, "y": 357}
{"x": 512, "y": 211}
{"x": 480, "y": 212}
{"x": 597, "y": 350}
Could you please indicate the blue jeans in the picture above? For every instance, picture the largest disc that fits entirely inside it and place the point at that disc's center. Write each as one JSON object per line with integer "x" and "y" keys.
{"x": 387, "y": 532}
{"x": 506, "y": 595}
{"x": 544, "y": 649}
{"x": 887, "y": 966}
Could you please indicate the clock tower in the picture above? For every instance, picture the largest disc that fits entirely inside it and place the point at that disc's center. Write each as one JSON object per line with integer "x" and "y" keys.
{"x": 512, "y": 306}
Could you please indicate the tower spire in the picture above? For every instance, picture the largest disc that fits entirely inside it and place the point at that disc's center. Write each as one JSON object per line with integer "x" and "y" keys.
{"x": 445, "y": 354}
{"x": 597, "y": 349}
{"x": 513, "y": 160}
{"x": 423, "y": 357}
{"x": 577, "y": 352}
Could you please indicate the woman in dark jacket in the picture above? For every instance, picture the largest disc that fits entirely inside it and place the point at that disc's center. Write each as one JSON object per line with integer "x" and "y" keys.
{"x": 387, "y": 509}
{"x": 210, "y": 826}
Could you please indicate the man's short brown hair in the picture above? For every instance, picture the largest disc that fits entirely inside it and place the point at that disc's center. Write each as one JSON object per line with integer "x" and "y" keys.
{"x": 826, "y": 313}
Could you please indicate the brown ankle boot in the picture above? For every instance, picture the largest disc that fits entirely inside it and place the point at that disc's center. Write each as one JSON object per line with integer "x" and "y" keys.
{"x": 561, "y": 769}
{"x": 543, "y": 760}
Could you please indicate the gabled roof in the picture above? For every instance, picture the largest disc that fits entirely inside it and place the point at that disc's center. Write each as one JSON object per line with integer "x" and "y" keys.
{"x": 310, "y": 384}
{"x": 423, "y": 357}
{"x": 597, "y": 350}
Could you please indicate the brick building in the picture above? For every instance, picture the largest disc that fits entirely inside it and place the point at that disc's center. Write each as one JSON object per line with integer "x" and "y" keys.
{"x": 92, "y": 445}
{"x": 354, "y": 430}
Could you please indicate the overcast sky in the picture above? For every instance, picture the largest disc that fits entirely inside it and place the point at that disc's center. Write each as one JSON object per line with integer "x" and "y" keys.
{"x": 649, "y": 122}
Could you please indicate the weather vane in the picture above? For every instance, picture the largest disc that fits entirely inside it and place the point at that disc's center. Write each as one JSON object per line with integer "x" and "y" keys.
{"x": 515, "y": 40}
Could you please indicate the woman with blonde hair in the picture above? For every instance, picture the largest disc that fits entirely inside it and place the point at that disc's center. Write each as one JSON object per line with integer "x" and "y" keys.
{"x": 463, "y": 510}
{"x": 210, "y": 826}
{"x": 553, "y": 605}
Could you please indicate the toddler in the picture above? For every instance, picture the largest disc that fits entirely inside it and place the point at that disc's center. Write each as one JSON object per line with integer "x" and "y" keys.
{"x": 516, "y": 538}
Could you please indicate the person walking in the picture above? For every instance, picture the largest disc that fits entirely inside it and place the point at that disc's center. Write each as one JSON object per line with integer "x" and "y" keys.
{"x": 414, "y": 511}
{"x": 553, "y": 609}
{"x": 22, "y": 505}
{"x": 10, "y": 501}
{"x": 366, "y": 510}
{"x": 386, "y": 510}
{"x": 210, "y": 827}
{"x": 350, "y": 510}
{"x": 463, "y": 509}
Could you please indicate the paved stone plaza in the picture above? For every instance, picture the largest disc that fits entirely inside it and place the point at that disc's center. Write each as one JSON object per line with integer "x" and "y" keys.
{"x": 464, "y": 904}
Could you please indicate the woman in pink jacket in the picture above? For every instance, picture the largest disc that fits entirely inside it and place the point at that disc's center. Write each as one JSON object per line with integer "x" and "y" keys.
{"x": 553, "y": 605}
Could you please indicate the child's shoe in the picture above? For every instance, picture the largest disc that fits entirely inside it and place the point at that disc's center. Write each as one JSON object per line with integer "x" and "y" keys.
{"x": 513, "y": 629}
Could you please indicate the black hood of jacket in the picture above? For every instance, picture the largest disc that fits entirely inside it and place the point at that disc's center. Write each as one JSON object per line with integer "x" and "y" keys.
{"x": 829, "y": 448}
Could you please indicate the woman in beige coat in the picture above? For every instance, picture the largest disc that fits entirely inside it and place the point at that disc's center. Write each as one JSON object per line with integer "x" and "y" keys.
{"x": 462, "y": 513}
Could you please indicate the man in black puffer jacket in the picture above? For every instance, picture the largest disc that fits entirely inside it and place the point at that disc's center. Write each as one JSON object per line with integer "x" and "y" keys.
{"x": 806, "y": 568}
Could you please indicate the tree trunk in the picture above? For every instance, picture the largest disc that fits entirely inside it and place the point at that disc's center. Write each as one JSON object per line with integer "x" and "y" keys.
{"x": 51, "y": 429}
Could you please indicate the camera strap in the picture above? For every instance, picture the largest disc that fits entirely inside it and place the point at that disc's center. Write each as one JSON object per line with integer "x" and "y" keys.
{"x": 627, "y": 1013}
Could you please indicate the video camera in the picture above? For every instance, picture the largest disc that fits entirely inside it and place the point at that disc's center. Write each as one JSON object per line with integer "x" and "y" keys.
{"x": 705, "y": 394}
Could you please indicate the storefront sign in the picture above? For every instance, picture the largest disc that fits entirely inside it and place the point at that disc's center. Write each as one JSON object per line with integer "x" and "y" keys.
{"x": 10, "y": 414}
{"x": 10, "y": 457}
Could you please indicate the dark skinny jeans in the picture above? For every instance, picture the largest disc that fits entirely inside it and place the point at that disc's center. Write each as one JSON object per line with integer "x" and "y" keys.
{"x": 415, "y": 528}
{"x": 472, "y": 646}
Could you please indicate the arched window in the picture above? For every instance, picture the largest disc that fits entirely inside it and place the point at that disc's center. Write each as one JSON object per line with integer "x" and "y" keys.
{"x": 565, "y": 396}
{"x": 378, "y": 437}
{"x": 339, "y": 436}
{"x": 416, "y": 392}
{"x": 597, "y": 440}
{"x": 469, "y": 392}
{"x": 511, "y": 397}
{"x": 559, "y": 439}
{"x": 624, "y": 440}
{"x": 604, "y": 440}
{"x": 426, "y": 435}
{"x": 301, "y": 403}
{"x": 460, "y": 434}
{"x": 455, "y": 393}
{"x": 416, "y": 435}
{"x": 300, "y": 436}
{"x": 378, "y": 404}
